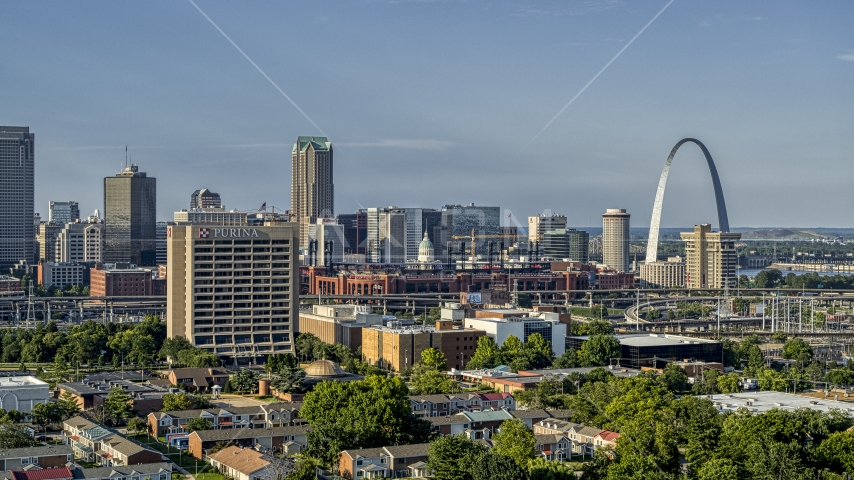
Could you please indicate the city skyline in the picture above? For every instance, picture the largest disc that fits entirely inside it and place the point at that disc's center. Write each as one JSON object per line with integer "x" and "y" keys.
{"x": 728, "y": 74}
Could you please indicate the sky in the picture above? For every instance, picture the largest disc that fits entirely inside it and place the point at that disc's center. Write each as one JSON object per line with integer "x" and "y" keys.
{"x": 430, "y": 103}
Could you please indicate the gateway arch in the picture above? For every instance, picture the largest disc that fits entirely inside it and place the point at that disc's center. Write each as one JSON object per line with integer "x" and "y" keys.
{"x": 723, "y": 222}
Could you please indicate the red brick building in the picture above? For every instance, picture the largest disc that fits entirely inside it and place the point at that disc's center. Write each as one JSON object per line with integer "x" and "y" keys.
{"x": 124, "y": 280}
{"x": 545, "y": 280}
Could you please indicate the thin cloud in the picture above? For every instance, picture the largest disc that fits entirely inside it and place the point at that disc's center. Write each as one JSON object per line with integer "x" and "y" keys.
{"x": 160, "y": 147}
{"x": 848, "y": 57}
{"x": 428, "y": 144}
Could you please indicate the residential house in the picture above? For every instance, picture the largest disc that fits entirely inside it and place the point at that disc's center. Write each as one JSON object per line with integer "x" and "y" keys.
{"x": 148, "y": 471}
{"x": 288, "y": 440}
{"x": 441, "y": 405}
{"x": 56, "y": 473}
{"x": 400, "y": 461}
{"x": 248, "y": 464}
{"x": 94, "y": 442}
{"x": 553, "y": 447}
{"x": 198, "y": 379}
{"x": 585, "y": 439}
{"x": 145, "y": 397}
{"x": 534, "y": 416}
{"x": 271, "y": 415}
{"x": 475, "y": 425}
{"x": 43, "y": 457}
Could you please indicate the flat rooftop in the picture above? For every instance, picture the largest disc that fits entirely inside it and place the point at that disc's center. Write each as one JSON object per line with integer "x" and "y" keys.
{"x": 562, "y": 372}
{"x": 761, "y": 402}
{"x": 21, "y": 381}
{"x": 656, "y": 340}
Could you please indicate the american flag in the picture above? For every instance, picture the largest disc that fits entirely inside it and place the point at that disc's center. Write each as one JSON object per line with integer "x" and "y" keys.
{"x": 263, "y": 207}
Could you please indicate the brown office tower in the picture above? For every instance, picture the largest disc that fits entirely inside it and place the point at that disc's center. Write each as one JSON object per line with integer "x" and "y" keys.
{"x": 312, "y": 190}
{"x": 130, "y": 210}
{"x": 233, "y": 290}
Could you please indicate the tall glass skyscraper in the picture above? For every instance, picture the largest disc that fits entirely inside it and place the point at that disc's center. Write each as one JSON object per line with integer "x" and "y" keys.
{"x": 130, "y": 212}
{"x": 312, "y": 187}
{"x": 17, "y": 161}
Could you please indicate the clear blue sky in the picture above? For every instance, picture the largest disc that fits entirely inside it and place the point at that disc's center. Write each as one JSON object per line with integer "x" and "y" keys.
{"x": 430, "y": 103}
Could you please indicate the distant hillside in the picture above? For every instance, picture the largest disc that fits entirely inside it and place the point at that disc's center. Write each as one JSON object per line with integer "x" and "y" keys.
{"x": 782, "y": 234}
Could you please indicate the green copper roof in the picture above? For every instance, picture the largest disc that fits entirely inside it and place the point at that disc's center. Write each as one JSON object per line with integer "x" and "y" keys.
{"x": 319, "y": 143}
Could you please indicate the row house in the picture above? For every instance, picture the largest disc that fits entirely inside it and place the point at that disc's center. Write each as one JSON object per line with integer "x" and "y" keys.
{"x": 272, "y": 415}
{"x": 536, "y": 415}
{"x": 584, "y": 440}
{"x": 50, "y": 456}
{"x": 149, "y": 471}
{"x": 474, "y": 425}
{"x": 96, "y": 443}
{"x": 400, "y": 461}
{"x": 198, "y": 379}
{"x": 441, "y": 405}
{"x": 287, "y": 440}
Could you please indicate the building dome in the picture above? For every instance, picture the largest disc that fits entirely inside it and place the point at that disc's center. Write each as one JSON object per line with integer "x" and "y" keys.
{"x": 425, "y": 250}
{"x": 324, "y": 368}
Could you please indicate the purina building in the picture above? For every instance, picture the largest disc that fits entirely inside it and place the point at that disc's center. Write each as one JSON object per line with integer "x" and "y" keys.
{"x": 233, "y": 290}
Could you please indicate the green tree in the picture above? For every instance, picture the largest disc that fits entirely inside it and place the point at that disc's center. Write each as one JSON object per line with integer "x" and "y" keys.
{"x": 729, "y": 383}
{"x": 837, "y": 451}
{"x": 599, "y": 327}
{"x": 452, "y": 457}
{"x": 198, "y": 423}
{"x": 67, "y": 404}
{"x": 434, "y": 358}
{"x": 14, "y": 436}
{"x": 246, "y": 380}
{"x": 485, "y": 354}
{"x": 767, "y": 278}
{"x": 137, "y": 425}
{"x": 173, "y": 346}
{"x": 429, "y": 381}
{"x": 569, "y": 359}
{"x": 510, "y": 349}
{"x": 652, "y": 313}
{"x": 598, "y": 350}
{"x": 674, "y": 378}
{"x": 515, "y": 440}
{"x": 176, "y": 401}
{"x": 304, "y": 469}
{"x": 541, "y": 469}
{"x": 797, "y": 349}
{"x": 719, "y": 469}
{"x": 707, "y": 383}
{"x": 117, "y": 405}
{"x": 494, "y": 466}
{"x": 840, "y": 376}
{"x": 538, "y": 351}
{"x": 43, "y": 414}
{"x": 288, "y": 379}
{"x": 370, "y": 413}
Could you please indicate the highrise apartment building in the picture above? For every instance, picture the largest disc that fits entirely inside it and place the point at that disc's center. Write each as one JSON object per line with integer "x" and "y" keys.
{"x": 312, "y": 187}
{"x": 615, "y": 239}
{"x": 130, "y": 209}
{"x": 17, "y": 176}
{"x": 710, "y": 257}
{"x": 63, "y": 212}
{"x": 80, "y": 242}
{"x": 205, "y": 198}
{"x": 233, "y": 290}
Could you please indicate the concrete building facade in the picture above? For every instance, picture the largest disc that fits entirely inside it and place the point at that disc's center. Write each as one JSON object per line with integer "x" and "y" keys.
{"x": 397, "y": 347}
{"x": 615, "y": 239}
{"x": 338, "y": 323}
{"x": 233, "y": 291}
{"x": 123, "y": 280}
{"x": 79, "y": 242}
{"x": 711, "y": 259}
{"x": 212, "y": 216}
{"x": 499, "y": 328}
{"x": 60, "y": 274}
{"x": 663, "y": 274}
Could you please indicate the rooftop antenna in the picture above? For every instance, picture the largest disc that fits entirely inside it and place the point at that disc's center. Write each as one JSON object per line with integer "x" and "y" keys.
{"x": 126, "y": 155}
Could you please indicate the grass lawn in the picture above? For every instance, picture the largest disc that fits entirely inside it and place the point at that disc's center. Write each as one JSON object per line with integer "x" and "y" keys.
{"x": 186, "y": 461}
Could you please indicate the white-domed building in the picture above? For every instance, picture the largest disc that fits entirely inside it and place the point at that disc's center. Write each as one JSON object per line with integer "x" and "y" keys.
{"x": 425, "y": 250}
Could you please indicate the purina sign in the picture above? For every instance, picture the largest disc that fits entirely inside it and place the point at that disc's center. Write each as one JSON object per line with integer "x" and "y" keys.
{"x": 227, "y": 232}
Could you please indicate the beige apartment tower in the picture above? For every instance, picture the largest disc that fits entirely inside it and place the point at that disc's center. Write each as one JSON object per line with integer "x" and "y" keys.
{"x": 663, "y": 274}
{"x": 710, "y": 258}
{"x": 312, "y": 188}
{"x": 615, "y": 239}
{"x": 233, "y": 290}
